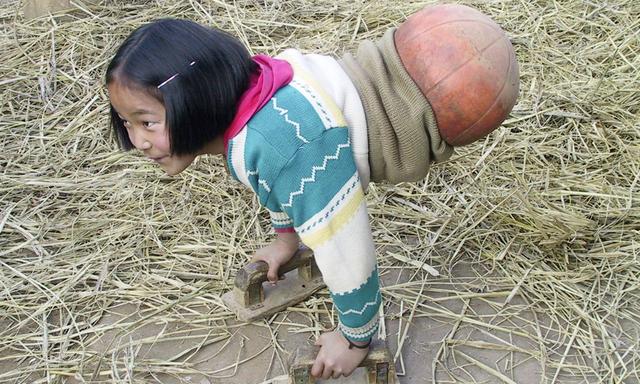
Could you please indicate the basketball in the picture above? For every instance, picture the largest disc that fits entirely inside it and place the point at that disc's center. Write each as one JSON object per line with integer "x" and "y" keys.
{"x": 464, "y": 64}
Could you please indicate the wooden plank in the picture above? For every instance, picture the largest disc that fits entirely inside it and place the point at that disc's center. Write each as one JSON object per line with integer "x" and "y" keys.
{"x": 378, "y": 366}
{"x": 288, "y": 292}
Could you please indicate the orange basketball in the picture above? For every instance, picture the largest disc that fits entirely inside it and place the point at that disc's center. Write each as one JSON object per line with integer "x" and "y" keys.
{"x": 464, "y": 64}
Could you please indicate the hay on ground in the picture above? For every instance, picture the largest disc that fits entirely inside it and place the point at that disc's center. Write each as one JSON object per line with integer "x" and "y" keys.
{"x": 545, "y": 212}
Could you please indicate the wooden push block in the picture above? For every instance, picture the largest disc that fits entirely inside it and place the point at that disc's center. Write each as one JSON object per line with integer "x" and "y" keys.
{"x": 252, "y": 298}
{"x": 378, "y": 364}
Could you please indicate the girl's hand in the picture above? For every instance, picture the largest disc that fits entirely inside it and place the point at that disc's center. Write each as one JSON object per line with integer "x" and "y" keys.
{"x": 278, "y": 253}
{"x": 335, "y": 358}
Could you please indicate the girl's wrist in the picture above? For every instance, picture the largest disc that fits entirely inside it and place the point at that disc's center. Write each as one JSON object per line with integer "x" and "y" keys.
{"x": 359, "y": 344}
{"x": 363, "y": 344}
{"x": 289, "y": 238}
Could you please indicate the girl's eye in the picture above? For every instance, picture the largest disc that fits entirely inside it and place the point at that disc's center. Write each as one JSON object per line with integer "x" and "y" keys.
{"x": 147, "y": 124}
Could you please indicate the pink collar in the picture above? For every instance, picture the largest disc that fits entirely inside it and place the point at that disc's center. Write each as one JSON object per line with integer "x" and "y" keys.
{"x": 272, "y": 75}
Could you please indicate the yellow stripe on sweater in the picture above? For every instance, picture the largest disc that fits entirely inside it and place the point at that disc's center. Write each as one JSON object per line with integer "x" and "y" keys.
{"x": 327, "y": 100}
{"x": 336, "y": 222}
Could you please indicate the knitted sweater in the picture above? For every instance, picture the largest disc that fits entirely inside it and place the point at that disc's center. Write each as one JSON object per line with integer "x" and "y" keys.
{"x": 296, "y": 154}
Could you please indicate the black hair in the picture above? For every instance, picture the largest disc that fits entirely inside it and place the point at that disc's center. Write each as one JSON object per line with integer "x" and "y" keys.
{"x": 213, "y": 70}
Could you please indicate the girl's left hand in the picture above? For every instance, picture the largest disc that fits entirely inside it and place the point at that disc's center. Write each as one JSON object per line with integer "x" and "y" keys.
{"x": 277, "y": 253}
{"x": 335, "y": 358}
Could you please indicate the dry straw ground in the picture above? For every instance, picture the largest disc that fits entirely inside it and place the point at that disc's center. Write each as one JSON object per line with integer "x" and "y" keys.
{"x": 545, "y": 211}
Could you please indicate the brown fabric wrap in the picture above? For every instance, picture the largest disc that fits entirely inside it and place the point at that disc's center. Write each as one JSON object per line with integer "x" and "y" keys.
{"x": 401, "y": 127}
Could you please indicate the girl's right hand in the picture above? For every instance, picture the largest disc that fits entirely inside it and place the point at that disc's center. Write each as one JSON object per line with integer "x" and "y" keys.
{"x": 278, "y": 253}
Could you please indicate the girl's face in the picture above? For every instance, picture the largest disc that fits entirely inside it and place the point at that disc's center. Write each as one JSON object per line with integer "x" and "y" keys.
{"x": 144, "y": 118}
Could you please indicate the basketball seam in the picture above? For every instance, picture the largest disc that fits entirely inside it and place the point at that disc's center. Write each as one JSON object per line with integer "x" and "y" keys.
{"x": 490, "y": 25}
{"x": 491, "y": 106}
{"x": 463, "y": 64}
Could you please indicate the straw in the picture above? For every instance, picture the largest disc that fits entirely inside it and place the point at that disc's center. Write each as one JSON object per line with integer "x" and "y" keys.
{"x": 535, "y": 229}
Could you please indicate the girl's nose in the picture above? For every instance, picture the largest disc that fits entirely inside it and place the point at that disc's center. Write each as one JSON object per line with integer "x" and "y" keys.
{"x": 139, "y": 141}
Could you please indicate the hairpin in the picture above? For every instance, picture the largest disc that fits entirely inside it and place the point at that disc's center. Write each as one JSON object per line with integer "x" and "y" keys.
{"x": 173, "y": 77}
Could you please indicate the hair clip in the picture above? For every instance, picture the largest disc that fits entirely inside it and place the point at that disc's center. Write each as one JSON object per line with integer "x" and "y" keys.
{"x": 173, "y": 77}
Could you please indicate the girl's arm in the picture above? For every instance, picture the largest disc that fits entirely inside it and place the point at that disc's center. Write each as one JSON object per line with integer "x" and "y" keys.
{"x": 320, "y": 191}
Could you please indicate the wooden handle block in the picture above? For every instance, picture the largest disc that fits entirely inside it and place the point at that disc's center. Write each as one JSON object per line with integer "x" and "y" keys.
{"x": 248, "y": 282}
{"x": 378, "y": 363}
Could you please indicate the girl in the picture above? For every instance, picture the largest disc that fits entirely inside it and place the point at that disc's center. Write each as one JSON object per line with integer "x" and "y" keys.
{"x": 179, "y": 90}
{"x": 306, "y": 133}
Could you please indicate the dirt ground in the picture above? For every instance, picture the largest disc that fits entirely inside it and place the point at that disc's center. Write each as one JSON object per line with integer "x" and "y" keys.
{"x": 486, "y": 344}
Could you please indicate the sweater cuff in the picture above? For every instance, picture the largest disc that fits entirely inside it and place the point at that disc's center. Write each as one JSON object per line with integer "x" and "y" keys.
{"x": 364, "y": 333}
{"x": 281, "y": 222}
